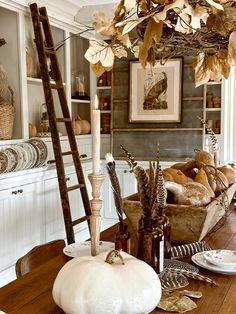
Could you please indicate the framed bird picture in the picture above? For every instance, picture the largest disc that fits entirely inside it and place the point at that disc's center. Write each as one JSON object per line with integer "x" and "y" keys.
{"x": 156, "y": 93}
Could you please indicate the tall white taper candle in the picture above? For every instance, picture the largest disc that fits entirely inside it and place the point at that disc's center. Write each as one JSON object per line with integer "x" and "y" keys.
{"x": 96, "y": 137}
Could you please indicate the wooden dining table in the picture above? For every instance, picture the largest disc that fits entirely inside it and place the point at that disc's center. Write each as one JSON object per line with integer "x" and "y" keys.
{"x": 32, "y": 293}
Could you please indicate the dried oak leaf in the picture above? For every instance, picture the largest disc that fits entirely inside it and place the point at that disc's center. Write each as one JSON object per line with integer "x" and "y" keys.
{"x": 183, "y": 24}
{"x": 215, "y": 5}
{"x": 197, "y": 14}
{"x": 202, "y": 73}
{"x": 99, "y": 69}
{"x": 161, "y": 16}
{"x": 99, "y": 50}
{"x": 124, "y": 39}
{"x": 223, "y": 22}
{"x": 153, "y": 32}
{"x": 129, "y": 5}
{"x": 232, "y": 49}
{"x": 224, "y": 64}
{"x": 131, "y": 22}
{"x": 102, "y": 24}
{"x": 119, "y": 51}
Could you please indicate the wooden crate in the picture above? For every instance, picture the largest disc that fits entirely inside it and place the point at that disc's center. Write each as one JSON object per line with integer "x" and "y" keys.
{"x": 188, "y": 223}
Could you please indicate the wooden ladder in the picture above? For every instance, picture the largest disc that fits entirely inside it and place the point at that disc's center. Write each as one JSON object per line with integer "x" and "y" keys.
{"x": 45, "y": 48}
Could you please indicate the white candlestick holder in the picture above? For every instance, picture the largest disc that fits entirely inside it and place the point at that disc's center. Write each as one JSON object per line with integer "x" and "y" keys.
{"x": 96, "y": 181}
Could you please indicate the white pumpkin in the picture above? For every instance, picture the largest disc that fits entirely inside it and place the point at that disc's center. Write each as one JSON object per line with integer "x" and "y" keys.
{"x": 89, "y": 285}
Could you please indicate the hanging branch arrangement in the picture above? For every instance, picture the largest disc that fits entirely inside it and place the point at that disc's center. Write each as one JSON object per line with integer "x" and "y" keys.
{"x": 160, "y": 30}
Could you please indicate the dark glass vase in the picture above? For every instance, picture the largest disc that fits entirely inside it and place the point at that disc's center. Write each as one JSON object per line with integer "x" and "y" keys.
{"x": 123, "y": 238}
{"x": 151, "y": 243}
{"x": 164, "y": 224}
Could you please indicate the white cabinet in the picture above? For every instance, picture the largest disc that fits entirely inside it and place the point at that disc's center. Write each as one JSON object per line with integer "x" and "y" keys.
{"x": 54, "y": 223}
{"x": 21, "y": 216}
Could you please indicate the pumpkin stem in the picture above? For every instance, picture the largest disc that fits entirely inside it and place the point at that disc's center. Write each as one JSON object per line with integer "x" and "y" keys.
{"x": 110, "y": 259}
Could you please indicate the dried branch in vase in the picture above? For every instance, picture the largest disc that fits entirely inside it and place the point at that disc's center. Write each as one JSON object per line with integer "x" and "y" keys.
{"x": 147, "y": 184}
{"x": 111, "y": 169}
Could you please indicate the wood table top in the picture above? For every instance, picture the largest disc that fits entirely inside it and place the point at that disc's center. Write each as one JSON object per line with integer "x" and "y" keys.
{"x": 32, "y": 293}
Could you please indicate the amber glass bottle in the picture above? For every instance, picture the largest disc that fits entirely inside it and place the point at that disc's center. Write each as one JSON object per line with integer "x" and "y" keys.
{"x": 151, "y": 243}
{"x": 123, "y": 238}
{"x": 164, "y": 224}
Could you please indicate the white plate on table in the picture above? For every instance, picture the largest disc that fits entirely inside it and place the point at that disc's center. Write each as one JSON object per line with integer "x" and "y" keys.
{"x": 83, "y": 248}
{"x": 200, "y": 260}
{"x": 222, "y": 258}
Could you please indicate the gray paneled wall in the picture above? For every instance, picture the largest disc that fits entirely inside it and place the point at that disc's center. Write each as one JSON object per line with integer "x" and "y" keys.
{"x": 140, "y": 138}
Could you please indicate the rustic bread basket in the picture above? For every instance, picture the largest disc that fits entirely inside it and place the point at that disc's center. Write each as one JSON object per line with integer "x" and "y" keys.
{"x": 7, "y": 115}
{"x": 188, "y": 223}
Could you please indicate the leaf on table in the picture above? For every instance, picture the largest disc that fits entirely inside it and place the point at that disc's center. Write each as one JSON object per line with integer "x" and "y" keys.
{"x": 178, "y": 301}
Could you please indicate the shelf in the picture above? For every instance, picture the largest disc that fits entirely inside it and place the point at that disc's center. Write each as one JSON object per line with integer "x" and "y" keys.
{"x": 80, "y": 101}
{"x": 103, "y": 87}
{"x": 192, "y": 98}
{"x": 38, "y": 81}
{"x": 156, "y": 130}
{"x": 213, "y": 83}
{"x": 213, "y": 109}
{"x": 105, "y": 111}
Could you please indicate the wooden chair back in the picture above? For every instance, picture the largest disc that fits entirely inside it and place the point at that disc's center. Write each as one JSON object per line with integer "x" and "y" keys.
{"x": 38, "y": 255}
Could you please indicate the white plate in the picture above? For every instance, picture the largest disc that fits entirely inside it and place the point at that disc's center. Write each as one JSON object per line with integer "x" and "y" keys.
{"x": 84, "y": 248}
{"x": 221, "y": 258}
{"x": 199, "y": 259}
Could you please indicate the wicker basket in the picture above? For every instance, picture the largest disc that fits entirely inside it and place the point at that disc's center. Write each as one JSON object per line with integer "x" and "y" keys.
{"x": 7, "y": 114}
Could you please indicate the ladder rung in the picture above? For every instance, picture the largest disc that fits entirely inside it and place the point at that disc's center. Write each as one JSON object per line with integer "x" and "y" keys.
{"x": 75, "y": 187}
{"x": 69, "y": 153}
{"x": 42, "y": 18}
{"x": 52, "y": 161}
{"x": 49, "y": 51}
{"x": 63, "y": 120}
{"x": 79, "y": 220}
{"x": 56, "y": 85}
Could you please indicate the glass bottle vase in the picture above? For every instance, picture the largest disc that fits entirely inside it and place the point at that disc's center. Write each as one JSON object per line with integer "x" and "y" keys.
{"x": 164, "y": 224}
{"x": 123, "y": 238}
{"x": 151, "y": 243}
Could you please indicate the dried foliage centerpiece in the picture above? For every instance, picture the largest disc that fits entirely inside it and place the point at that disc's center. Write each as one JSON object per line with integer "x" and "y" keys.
{"x": 122, "y": 238}
{"x": 160, "y": 29}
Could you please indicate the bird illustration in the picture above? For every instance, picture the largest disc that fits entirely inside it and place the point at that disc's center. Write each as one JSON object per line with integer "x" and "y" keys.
{"x": 152, "y": 100}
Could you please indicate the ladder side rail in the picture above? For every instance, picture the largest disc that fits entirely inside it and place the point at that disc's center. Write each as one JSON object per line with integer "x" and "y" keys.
{"x": 66, "y": 113}
{"x": 51, "y": 113}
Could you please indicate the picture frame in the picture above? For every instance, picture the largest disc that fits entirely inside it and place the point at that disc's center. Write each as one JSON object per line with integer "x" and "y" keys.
{"x": 156, "y": 93}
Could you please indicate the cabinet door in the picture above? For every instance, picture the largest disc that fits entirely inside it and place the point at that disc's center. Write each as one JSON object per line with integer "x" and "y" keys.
{"x": 29, "y": 204}
{"x": 54, "y": 221}
{"x": 7, "y": 229}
